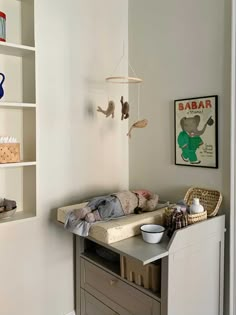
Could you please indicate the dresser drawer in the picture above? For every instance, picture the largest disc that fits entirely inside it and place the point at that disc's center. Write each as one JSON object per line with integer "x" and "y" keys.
{"x": 95, "y": 279}
{"x": 91, "y": 306}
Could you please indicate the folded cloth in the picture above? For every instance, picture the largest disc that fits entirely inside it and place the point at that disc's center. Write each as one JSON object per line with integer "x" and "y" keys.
{"x": 75, "y": 225}
{"x": 109, "y": 207}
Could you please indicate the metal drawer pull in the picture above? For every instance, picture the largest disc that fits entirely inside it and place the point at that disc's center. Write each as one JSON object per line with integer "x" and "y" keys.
{"x": 113, "y": 282}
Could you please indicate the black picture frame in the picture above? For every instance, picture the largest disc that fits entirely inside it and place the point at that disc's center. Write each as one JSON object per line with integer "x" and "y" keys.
{"x": 196, "y": 131}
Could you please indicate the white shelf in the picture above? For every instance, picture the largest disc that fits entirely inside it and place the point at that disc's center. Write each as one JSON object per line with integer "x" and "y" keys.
{"x": 20, "y": 164}
{"x": 15, "y": 49}
{"x": 19, "y": 216}
{"x": 18, "y": 108}
{"x": 29, "y": 1}
{"x": 15, "y": 105}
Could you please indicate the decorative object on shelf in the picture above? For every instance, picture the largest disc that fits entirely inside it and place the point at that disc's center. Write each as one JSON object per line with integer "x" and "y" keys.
{"x": 138, "y": 124}
{"x": 196, "y": 142}
{"x": 1, "y": 85}
{"x": 210, "y": 199}
{"x": 124, "y": 109}
{"x": 7, "y": 208}
{"x": 148, "y": 276}
{"x": 175, "y": 219}
{"x": 109, "y": 111}
{"x": 9, "y": 150}
{"x": 196, "y": 207}
{"x": 2, "y": 26}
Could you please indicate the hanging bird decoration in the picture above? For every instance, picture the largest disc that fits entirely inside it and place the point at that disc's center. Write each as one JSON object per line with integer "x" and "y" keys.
{"x": 1, "y": 85}
{"x": 124, "y": 109}
{"x": 138, "y": 124}
{"x": 109, "y": 111}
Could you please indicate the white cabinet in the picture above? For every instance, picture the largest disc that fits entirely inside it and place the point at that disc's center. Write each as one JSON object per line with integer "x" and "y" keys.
{"x": 18, "y": 110}
{"x": 191, "y": 281}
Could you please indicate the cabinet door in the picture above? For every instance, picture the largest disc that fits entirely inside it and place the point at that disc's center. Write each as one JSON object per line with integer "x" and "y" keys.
{"x": 91, "y": 306}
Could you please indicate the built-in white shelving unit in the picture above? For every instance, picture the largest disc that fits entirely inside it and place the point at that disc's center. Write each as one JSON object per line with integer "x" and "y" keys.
{"x": 18, "y": 107}
{"x": 20, "y": 164}
{"x": 15, "y": 50}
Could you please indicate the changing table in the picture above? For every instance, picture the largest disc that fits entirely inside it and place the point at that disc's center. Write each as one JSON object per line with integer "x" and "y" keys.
{"x": 191, "y": 273}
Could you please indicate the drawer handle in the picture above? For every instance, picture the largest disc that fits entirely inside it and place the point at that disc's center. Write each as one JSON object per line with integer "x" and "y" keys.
{"x": 113, "y": 282}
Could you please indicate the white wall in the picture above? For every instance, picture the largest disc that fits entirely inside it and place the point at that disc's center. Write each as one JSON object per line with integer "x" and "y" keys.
{"x": 181, "y": 49}
{"x": 80, "y": 152}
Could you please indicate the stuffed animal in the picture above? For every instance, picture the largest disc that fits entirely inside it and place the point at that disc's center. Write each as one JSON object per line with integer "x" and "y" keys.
{"x": 109, "y": 111}
{"x": 117, "y": 205}
{"x": 124, "y": 109}
{"x": 138, "y": 124}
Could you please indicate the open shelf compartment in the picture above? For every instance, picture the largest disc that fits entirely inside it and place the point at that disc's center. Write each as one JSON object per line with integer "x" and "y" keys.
{"x": 19, "y": 184}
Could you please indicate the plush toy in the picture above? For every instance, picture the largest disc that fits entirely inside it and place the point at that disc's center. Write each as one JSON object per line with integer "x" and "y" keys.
{"x": 117, "y": 205}
{"x": 138, "y": 124}
{"x": 109, "y": 111}
{"x": 124, "y": 109}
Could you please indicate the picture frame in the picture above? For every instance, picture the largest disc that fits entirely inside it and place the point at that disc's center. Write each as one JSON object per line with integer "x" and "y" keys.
{"x": 196, "y": 131}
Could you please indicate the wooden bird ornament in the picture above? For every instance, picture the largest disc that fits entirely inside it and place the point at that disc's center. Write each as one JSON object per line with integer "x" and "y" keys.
{"x": 138, "y": 124}
{"x": 124, "y": 109}
{"x": 109, "y": 111}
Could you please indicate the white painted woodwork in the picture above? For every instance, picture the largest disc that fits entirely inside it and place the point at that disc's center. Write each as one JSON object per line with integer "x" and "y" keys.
{"x": 232, "y": 280}
{"x": 15, "y": 50}
{"x": 15, "y": 105}
{"x": 20, "y": 164}
{"x": 18, "y": 106}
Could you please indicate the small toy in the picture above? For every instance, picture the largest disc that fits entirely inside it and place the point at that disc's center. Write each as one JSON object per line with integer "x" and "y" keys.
{"x": 110, "y": 109}
{"x": 124, "y": 109}
{"x": 1, "y": 83}
{"x": 138, "y": 124}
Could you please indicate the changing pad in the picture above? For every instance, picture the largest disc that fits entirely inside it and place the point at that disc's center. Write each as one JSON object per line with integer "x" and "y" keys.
{"x": 116, "y": 229}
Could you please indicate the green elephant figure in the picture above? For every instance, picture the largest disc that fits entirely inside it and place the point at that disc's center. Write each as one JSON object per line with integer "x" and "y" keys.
{"x": 189, "y": 139}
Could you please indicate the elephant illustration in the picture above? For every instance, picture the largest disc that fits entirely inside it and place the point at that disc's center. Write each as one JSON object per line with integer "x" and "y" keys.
{"x": 189, "y": 139}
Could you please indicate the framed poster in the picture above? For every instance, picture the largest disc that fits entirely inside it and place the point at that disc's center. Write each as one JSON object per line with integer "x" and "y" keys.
{"x": 196, "y": 139}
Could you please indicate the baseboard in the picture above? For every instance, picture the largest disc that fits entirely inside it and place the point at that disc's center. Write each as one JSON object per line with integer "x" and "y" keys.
{"x": 71, "y": 313}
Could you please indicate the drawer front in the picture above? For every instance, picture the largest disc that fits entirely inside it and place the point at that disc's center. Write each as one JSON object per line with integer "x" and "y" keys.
{"x": 91, "y": 306}
{"x": 95, "y": 279}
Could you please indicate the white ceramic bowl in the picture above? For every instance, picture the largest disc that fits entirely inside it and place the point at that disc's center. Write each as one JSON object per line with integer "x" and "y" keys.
{"x": 152, "y": 233}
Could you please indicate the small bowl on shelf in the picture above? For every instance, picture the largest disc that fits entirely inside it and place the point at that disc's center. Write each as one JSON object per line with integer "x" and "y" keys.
{"x": 152, "y": 233}
{"x": 6, "y": 214}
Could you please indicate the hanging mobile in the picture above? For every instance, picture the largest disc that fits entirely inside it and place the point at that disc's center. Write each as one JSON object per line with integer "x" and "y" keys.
{"x": 122, "y": 79}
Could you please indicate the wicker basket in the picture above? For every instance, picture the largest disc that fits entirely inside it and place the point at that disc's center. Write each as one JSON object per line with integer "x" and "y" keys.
{"x": 197, "y": 217}
{"x": 210, "y": 199}
{"x": 9, "y": 152}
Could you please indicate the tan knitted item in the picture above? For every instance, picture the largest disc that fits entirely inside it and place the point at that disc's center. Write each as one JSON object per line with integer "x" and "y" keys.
{"x": 128, "y": 200}
{"x": 150, "y": 204}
